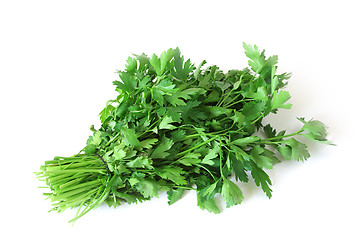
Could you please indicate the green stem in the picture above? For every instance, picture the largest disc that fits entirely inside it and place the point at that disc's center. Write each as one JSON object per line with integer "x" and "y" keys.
{"x": 220, "y": 156}
{"x": 257, "y": 119}
{"x": 242, "y": 100}
{"x": 150, "y": 127}
{"x": 196, "y": 147}
{"x": 113, "y": 139}
{"x": 225, "y": 130}
{"x": 193, "y": 135}
{"x": 276, "y": 143}
{"x": 206, "y": 170}
{"x": 184, "y": 187}
{"x": 95, "y": 203}
{"x": 63, "y": 189}
{"x": 280, "y": 137}
{"x": 223, "y": 100}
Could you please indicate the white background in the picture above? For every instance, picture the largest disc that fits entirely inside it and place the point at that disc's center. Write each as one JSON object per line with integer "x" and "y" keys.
{"x": 57, "y": 64}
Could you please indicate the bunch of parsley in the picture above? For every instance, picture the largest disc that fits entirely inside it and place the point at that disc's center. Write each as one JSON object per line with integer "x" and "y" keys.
{"x": 176, "y": 127}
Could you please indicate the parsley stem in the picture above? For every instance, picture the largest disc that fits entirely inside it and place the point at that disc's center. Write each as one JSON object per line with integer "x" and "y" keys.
{"x": 270, "y": 142}
{"x": 258, "y": 118}
{"x": 220, "y": 157}
{"x": 114, "y": 138}
{"x": 193, "y": 135}
{"x": 150, "y": 127}
{"x": 280, "y": 137}
{"x": 225, "y": 130}
{"x": 184, "y": 187}
{"x": 206, "y": 170}
{"x": 196, "y": 147}
{"x": 223, "y": 100}
{"x": 229, "y": 105}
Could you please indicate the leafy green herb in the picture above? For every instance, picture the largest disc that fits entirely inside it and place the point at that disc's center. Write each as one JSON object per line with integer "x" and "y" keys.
{"x": 176, "y": 127}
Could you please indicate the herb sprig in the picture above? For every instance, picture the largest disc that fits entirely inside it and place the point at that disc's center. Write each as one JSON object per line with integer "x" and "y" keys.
{"x": 175, "y": 127}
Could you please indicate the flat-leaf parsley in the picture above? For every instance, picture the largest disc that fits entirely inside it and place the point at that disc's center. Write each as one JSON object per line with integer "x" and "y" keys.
{"x": 175, "y": 127}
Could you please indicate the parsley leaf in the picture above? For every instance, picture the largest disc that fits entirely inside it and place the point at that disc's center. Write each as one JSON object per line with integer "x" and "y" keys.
{"x": 261, "y": 178}
{"x": 160, "y": 150}
{"x": 231, "y": 193}
{"x": 174, "y": 195}
{"x": 293, "y": 149}
{"x": 279, "y": 99}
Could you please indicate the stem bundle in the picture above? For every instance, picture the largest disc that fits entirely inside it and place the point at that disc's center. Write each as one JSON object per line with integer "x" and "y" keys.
{"x": 78, "y": 181}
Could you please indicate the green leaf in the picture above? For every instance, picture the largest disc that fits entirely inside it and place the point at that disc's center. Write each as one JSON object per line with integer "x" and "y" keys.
{"x": 174, "y": 195}
{"x": 269, "y": 131}
{"x": 252, "y": 110}
{"x": 166, "y": 87}
{"x": 237, "y": 85}
{"x": 165, "y": 123}
{"x": 157, "y": 94}
{"x": 198, "y": 69}
{"x": 261, "y": 178}
{"x": 173, "y": 114}
{"x": 90, "y": 148}
{"x": 161, "y": 64}
{"x": 155, "y": 63}
{"x": 257, "y": 61}
{"x": 261, "y": 160}
{"x": 143, "y": 61}
{"x": 140, "y": 162}
{"x": 213, "y": 153}
{"x": 96, "y": 140}
{"x": 209, "y": 191}
{"x": 122, "y": 109}
{"x": 279, "y": 99}
{"x": 298, "y": 150}
{"x": 119, "y": 152}
{"x": 174, "y": 174}
{"x": 130, "y": 138}
{"x": 316, "y": 130}
{"x": 148, "y": 188}
{"x": 106, "y": 112}
{"x": 238, "y": 118}
{"x": 175, "y": 99}
{"x": 182, "y": 69}
{"x": 240, "y": 154}
{"x": 165, "y": 58}
{"x": 178, "y": 135}
{"x": 160, "y": 150}
{"x": 231, "y": 193}
{"x": 208, "y": 204}
{"x": 260, "y": 94}
{"x": 187, "y": 93}
{"x": 190, "y": 159}
{"x": 214, "y": 111}
{"x": 144, "y": 81}
{"x": 128, "y": 83}
{"x": 133, "y": 181}
{"x": 222, "y": 85}
{"x": 238, "y": 168}
{"x": 148, "y": 143}
{"x": 274, "y": 84}
{"x": 285, "y": 151}
{"x": 131, "y": 65}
